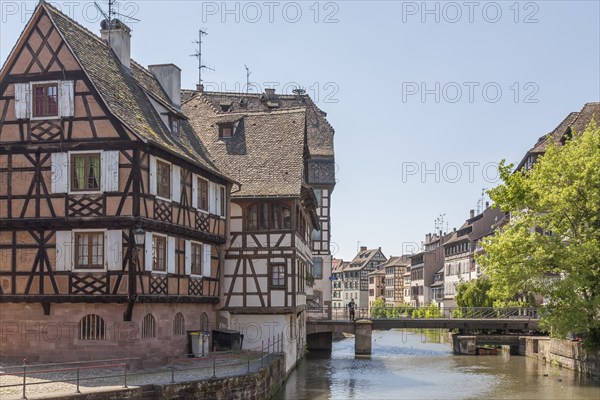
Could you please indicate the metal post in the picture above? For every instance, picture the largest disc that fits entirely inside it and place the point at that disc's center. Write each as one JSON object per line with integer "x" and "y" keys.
{"x": 24, "y": 378}
{"x": 173, "y": 371}
{"x": 262, "y": 356}
{"x": 214, "y": 368}
{"x": 248, "y": 362}
{"x": 78, "y": 391}
{"x": 268, "y": 345}
{"x": 125, "y": 376}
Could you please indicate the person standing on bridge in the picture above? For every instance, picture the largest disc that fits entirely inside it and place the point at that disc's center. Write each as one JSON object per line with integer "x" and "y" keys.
{"x": 351, "y": 307}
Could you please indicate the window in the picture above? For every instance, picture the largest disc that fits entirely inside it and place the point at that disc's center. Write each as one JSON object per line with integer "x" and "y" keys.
{"x": 225, "y": 131}
{"x": 196, "y": 258}
{"x": 278, "y": 275}
{"x": 179, "y": 324}
{"x": 264, "y": 216}
{"x": 175, "y": 127}
{"x": 203, "y": 194}
{"x": 317, "y": 270}
{"x": 45, "y": 100}
{"x": 148, "y": 327}
{"x": 163, "y": 179}
{"x": 159, "y": 253}
{"x": 89, "y": 250}
{"x": 92, "y": 327}
{"x": 85, "y": 172}
{"x": 316, "y": 234}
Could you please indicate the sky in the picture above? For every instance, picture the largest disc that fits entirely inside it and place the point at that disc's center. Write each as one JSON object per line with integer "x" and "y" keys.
{"x": 425, "y": 98}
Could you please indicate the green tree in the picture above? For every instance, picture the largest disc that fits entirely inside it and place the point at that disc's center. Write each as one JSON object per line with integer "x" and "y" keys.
{"x": 378, "y": 309}
{"x": 474, "y": 293}
{"x": 551, "y": 244}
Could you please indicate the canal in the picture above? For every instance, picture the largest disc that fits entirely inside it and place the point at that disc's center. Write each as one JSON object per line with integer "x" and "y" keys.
{"x": 416, "y": 365}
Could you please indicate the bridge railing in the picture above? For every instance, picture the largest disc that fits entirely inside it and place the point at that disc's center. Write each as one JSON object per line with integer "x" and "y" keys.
{"x": 343, "y": 313}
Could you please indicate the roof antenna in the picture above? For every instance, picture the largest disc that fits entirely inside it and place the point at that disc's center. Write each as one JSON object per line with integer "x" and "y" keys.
{"x": 480, "y": 202}
{"x": 248, "y": 73}
{"x": 198, "y": 55}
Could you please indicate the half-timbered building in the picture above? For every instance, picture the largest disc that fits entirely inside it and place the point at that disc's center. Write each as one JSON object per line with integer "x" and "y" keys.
{"x": 113, "y": 219}
{"x": 265, "y": 142}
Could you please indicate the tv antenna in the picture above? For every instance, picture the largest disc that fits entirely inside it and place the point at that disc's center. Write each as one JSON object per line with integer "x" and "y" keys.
{"x": 248, "y": 73}
{"x": 109, "y": 17}
{"x": 198, "y": 55}
{"x": 480, "y": 202}
{"x": 439, "y": 223}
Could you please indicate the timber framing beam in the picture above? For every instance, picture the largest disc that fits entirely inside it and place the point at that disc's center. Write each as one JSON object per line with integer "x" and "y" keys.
{"x": 119, "y": 299}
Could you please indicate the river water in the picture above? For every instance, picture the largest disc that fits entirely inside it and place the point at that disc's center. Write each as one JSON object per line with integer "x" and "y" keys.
{"x": 415, "y": 365}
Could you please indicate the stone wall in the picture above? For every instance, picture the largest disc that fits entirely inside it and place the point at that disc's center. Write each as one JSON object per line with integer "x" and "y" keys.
{"x": 25, "y": 332}
{"x": 260, "y": 385}
{"x": 570, "y": 355}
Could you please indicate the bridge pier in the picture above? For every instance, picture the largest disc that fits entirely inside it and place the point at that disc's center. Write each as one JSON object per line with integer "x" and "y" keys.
{"x": 462, "y": 344}
{"x": 362, "y": 337}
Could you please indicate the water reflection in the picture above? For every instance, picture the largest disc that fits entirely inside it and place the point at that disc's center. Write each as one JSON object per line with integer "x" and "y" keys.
{"x": 415, "y": 365}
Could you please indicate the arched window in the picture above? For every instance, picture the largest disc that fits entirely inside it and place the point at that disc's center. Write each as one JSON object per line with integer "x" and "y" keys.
{"x": 179, "y": 324}
{"x": 92, "y": 327}
{"x": 204, "y": 324}
{"x": 148, "y": 327}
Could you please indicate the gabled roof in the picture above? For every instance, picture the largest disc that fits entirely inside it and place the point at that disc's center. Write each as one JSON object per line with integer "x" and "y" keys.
{"x": 319, "y": 132}
{"x": 266, "y": 153}
{"x": 398, "y": 261}
{"x": 574, "y": 122}
{"x": 363, "y": 258}
{"x": 125, "y": 92}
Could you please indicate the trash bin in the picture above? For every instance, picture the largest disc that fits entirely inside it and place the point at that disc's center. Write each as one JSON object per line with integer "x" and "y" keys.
{"x": 196, "y": 342}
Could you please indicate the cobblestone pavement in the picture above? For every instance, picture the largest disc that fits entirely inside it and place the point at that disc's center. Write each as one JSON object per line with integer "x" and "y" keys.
{"x": 50, "y": 384}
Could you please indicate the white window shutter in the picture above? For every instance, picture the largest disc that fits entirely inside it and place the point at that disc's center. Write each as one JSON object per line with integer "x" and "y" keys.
{"x": 109, "y": 175}
{"x": 148, "y": 252}
{"x": 206, "y": 265}
{"x": 188, "y": 257}
{"x": 66, "y": 103}
{"x": 194, "y": 191}
{"x": 64, "y": 251}
{"x": 212, "y": 204}
{"x": 60, "y": 172}
{"x": 22, "y": 95}
{"x": 114, "y": 250}
{"x": 152, "y": 175}
{"x": 171, "y": 259}
{"x": 176, "y": 179}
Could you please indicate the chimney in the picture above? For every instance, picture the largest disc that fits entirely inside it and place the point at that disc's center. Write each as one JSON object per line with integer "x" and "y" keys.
{"x": 454, "y": 229}
{"x": 487, "y": 205}
{"x": 363, "y": 248}
{"x": 428, "y": 238}
{"x": 472, "y": 213}
{"x": 120, "y": 39}
{"x": 270, "y": 93}
{"x": 440, "y": 233}
{"x": 169, "y": 77}
{"x": 200, "y": 88}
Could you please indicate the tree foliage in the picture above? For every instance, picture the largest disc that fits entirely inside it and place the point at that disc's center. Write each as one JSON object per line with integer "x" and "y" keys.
{"x": 551, "y": 244}
{"x": 474, "y": 293}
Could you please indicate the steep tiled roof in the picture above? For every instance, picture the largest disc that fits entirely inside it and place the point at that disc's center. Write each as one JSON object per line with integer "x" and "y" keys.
{"x": 126, "y": 92}
{"x": 266, "y": 154}
{"x": 574, "y": 122}
{"x": 398, "y": 261}
{"x": 319, "y": 132}
{"x": 363, "y": 258}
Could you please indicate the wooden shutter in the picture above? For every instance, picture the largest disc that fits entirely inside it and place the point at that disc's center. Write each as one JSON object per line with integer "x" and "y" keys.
{"x": 206, "y": 265}
{"x": 64, "y": 251}
{"x": 176, "y": 183}
{"x": 109, "y": 175}
{"x": 113, "y": 243}
{"x": 60, "y": 173}
{"x": 22, "y": 102}
{"x": 148, "y": 252}
{"x": 66, "y": 104}
{"x": 152, "y": 176}
{"x": 194, "y": 191}
{"x": 171, "y": 259}
{"x": 188, "y": 257}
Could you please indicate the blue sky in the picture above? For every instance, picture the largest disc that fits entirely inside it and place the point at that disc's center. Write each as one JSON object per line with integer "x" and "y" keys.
{"x": 425, "y": 98}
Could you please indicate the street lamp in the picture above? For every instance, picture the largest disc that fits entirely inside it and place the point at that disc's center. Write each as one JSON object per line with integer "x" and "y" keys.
{"x": 139, "y": 238}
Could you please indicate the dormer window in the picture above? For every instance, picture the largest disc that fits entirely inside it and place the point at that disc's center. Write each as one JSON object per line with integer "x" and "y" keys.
{"x": 225, "y": 131}
{"x": 45, "y": 100}
{"x": 175, "y": 127}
